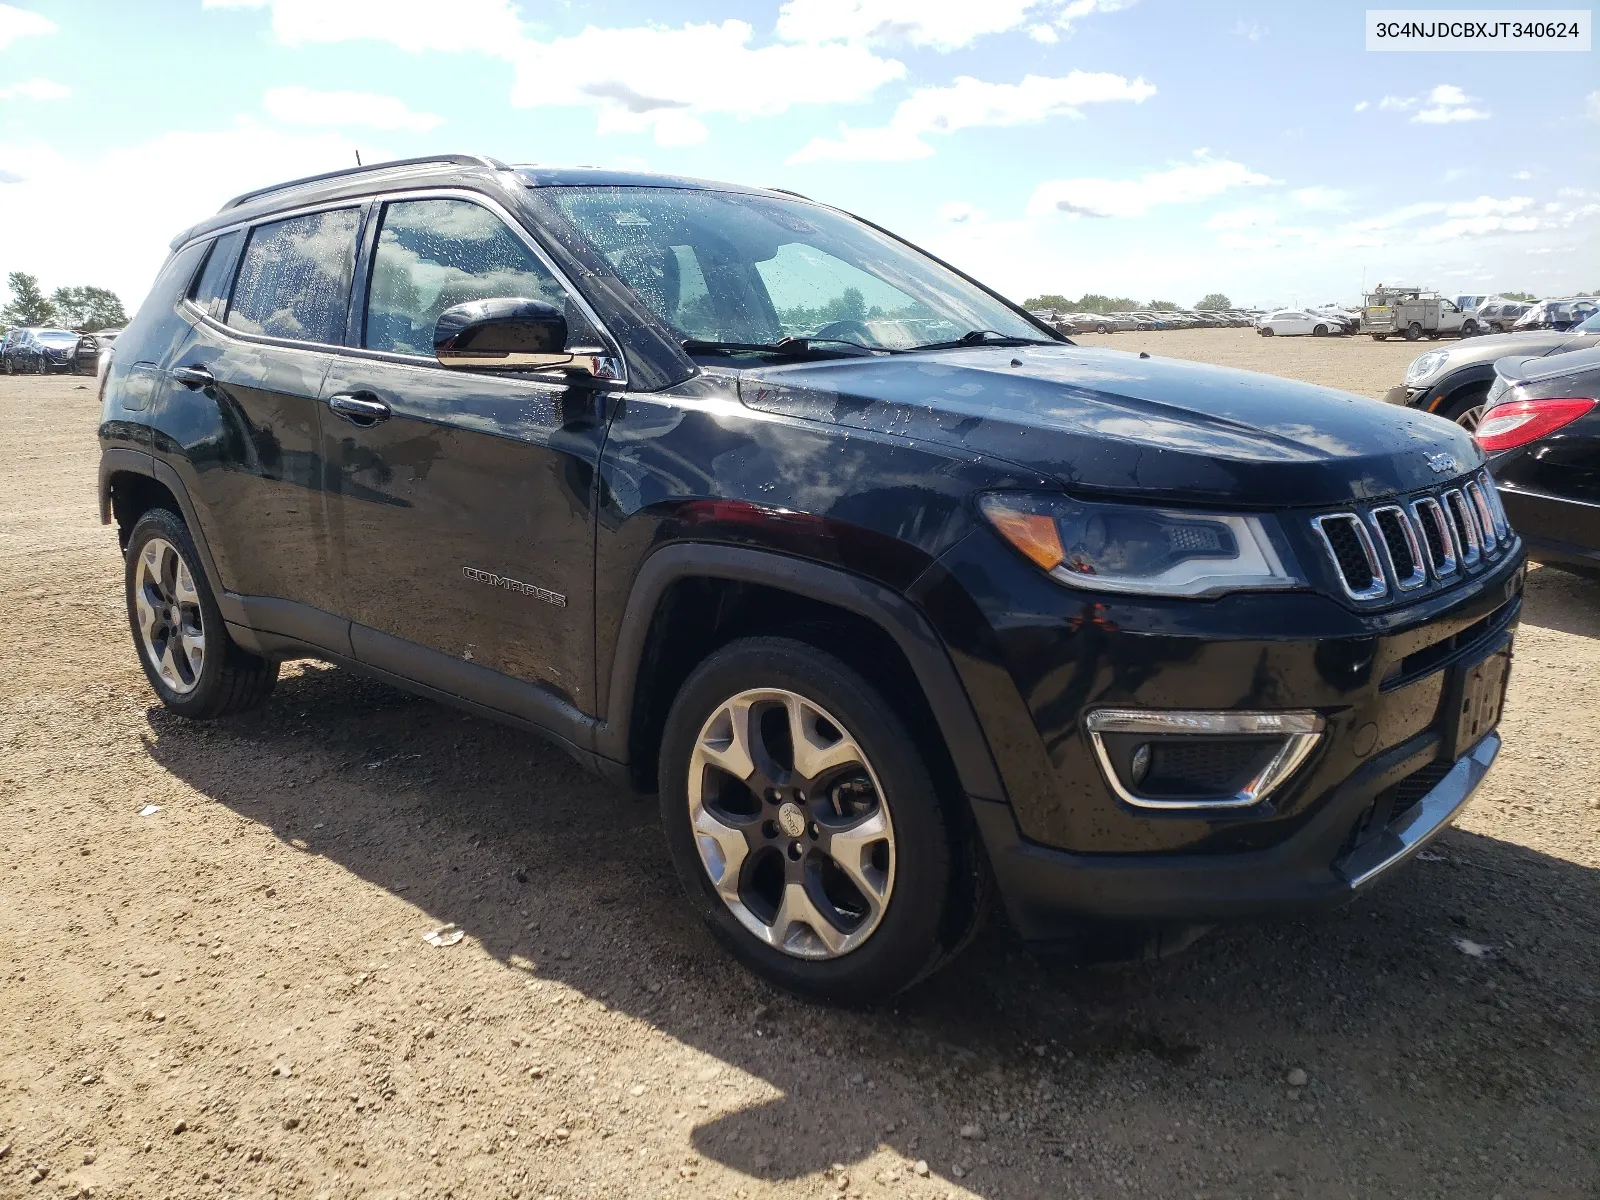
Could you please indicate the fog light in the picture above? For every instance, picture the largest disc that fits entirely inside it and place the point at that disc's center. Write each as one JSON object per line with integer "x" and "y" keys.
{"x": 1195, "y": 760}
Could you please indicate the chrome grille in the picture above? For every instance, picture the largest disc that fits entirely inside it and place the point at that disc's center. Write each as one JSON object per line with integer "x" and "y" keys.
{"x": 1436, "y": 538}
{"x": 1353, "y": 554}
{"x": 1469, "y": 544}
{"x": 1400, "y": 546}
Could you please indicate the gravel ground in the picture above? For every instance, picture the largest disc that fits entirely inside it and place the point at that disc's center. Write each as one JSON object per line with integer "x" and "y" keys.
{"x": 232, "y": 996}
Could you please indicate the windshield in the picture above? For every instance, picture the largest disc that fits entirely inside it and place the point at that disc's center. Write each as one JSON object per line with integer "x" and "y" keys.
{"x": 726, "y": 267}
{"x": 1592, "y": 325}
{"x": 57, "y": 337}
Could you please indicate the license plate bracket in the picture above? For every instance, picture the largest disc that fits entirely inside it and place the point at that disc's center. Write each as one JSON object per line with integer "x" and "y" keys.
{"x": 1476, "y": 698}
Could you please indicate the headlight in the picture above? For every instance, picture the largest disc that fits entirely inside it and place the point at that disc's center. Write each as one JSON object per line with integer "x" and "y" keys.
{"x": 1152, "y": 551}
{"x": 1425, "y": 367}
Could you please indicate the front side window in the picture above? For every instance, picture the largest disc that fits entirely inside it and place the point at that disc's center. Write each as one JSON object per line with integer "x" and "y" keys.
{"x": 435, "y": 254}
{"x": 731, "y": 267}
{"x": 295, "y": 277}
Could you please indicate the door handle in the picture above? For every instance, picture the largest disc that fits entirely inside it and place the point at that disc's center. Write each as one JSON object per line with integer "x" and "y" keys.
{"x": 359, "y": 408}
{"x": 194, "y": 377}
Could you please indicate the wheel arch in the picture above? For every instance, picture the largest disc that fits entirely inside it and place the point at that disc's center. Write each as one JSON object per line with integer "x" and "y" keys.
{"x": 131, "y": 483}
{"x": 690, "y": 598}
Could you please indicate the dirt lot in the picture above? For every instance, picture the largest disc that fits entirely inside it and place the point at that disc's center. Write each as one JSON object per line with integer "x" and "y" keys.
{"x": 233, "y": 997}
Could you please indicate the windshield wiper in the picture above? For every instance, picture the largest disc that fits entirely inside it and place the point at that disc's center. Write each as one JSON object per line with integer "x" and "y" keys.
{"x": 984, "y": 337}
{"x": 789, "y": 346}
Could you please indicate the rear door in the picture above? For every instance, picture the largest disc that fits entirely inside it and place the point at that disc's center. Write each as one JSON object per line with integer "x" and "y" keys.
{"x": 258, "y": 355}
{"x": 460, "y": 502}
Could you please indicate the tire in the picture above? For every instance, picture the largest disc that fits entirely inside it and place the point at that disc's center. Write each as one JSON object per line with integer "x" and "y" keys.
{"x": 1470, "y": 329}
{"x": 928, "y": 885}
{"x": 1102, "y": 329}
{"x": 1319, "y": 331}
{"x": 11, "y": 365}
{"x": 1466, "y": 411}
{"x": 1413, "y": 331}
{"x": 1267, "y": 331}
{"x": 162, "y": 580}
{"x": 41, "y": 367}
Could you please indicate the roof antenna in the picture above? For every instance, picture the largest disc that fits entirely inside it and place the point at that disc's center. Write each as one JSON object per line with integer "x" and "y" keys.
{"x": 358, "y": 158}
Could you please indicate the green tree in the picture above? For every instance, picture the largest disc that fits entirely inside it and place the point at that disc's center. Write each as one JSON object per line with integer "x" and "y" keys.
{"x": 29, "y": 305}
{"x": 1049, "y": 301}
{"x": 1162, "y": 306}
{"x": 1096, "y": 303}
{"x": 1213, "y": 301}
{"x": 1523, "y": 297}
{"x": 89, "y": 308}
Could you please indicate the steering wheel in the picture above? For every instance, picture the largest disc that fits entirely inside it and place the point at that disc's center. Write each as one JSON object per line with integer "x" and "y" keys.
{"x": 848, "y": 331}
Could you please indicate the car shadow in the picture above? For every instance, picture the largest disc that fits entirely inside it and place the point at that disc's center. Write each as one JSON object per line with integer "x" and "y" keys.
{"x": 1435, "y": 1013}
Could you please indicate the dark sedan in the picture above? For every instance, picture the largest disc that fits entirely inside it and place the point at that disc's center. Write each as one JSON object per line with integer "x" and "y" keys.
{"x": 1541, "y": 431}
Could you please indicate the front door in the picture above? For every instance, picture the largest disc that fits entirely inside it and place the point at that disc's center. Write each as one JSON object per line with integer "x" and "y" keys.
{"x": 459, "y": 502}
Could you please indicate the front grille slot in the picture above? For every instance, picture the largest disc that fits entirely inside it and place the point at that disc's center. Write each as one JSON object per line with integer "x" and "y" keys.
{"x": 1497, "y": 508}
{"x": 1466, "y": 643}
{"x": 1465, "y": 527}
{"x": 1480, "y": 508}
{"x": 1401, "y": 796}
{"x": 1436, "y": 538}
{"x": 1401, "y": 546}
{"x": 1353, "y": 555}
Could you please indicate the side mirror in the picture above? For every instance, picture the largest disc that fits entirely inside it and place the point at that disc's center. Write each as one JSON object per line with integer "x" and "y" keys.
{"x": 509, "y": 334}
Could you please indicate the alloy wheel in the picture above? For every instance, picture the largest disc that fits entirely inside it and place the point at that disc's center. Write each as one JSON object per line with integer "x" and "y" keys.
{"x": 1468, "y": 418}
{"x": 791, "y": 824}
{"x": 171, "y": 627}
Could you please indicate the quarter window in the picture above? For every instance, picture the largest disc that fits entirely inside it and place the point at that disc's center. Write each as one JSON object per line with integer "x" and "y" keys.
{"x": 210, "y": 290}
{"x": 435, "y": 254}
{"x": 295, "y": 277}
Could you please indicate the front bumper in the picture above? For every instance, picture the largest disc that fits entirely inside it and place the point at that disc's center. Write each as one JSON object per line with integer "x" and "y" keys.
{"x": 1049, "y": 893}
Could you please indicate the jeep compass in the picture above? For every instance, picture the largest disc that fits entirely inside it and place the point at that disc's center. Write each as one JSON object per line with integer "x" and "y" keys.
{"x": 896, "y": 598}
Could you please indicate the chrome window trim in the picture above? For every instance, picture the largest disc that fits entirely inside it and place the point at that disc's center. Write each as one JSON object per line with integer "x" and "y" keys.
{"x": 1301, "y": 730}
{"x": 1419, "y": 569}
{"x": 380, "y": 198}
{"x": 1447, "y": 540}
{"x": 1380, "y": 583}
{"x": 1469, "y": 554}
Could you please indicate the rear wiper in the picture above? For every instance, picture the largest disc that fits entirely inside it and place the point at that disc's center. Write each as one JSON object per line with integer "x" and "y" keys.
{"x": 985, "y": 337}
{"x": 789, "y": 346}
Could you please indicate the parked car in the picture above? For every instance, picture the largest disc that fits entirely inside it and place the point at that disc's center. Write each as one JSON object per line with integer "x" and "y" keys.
{"x": 1542, "y": 434}
{"x": 1094, "y": 323}
{"x": 36, "y": 351}
{"x": 1295, "y": 322}
{"x": 1559, "y": 315}
{"x": 1498, "y": 316}
{"x": 1453, "y": 381}
{"x": 884, "y": 609}
{"x": 90, "y": 346}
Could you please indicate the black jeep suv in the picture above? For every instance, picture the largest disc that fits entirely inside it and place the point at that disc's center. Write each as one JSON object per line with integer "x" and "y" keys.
{"x": 891, "y": 593}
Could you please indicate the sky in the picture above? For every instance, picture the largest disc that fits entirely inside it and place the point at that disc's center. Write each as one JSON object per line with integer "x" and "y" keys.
{"x": 1158, "y": 149}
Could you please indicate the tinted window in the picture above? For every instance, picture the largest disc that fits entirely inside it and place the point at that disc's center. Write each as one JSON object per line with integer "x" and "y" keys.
{"x": 435, "y": 254}
{"x": 211, "y": 284}
{"x": 293, "y": 280}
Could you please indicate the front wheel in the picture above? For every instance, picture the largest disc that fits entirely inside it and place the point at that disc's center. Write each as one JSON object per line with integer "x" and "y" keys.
{"x": 1467, "y": 412}
{"x": 1470, "y": 329}
{"x": 805, "y": 825}
{"x": 195, "y": 667}
{"x": 1320, "y": 331}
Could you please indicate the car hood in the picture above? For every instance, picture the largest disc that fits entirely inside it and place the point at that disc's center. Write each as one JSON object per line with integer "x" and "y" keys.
{"x": 1106, "y": 421}
{"x": 1529, "y": 343}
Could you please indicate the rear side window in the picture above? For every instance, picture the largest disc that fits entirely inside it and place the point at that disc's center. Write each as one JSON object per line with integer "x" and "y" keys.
{"x": 435, "y": 254}
{"x": 210, "y": 289}
{"x": 295, "y": 277}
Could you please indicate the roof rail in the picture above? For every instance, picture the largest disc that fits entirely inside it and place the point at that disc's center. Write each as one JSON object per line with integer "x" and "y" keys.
{"x": 464, "y": 160}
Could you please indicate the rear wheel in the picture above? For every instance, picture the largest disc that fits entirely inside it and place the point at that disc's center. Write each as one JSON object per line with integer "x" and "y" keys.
{"x": 806, "y": 828}
{"x": 1413, "y": 331}
{"x": 196, "y": 669}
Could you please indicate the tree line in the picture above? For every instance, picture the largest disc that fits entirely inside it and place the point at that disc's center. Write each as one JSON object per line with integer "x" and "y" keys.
{"x": 86, "y": 307}
{"x": 1096, "y": 303}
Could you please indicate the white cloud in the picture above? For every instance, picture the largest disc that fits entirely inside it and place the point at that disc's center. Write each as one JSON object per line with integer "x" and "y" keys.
{"x": 941, "y": 25}
{"x": 1523, "y": 175}
{"x": 414, "y": 25}
{"x": 664, "y": 80}
{"x": 970, "y": 103}
{"x": 35, "y": 89}
{"x": 1363, "y": 105}
{"x": 1318, "y": 197}
{"x": 1187, "y": 183}
{"x": 1446, "y": 104}
{"x": 1397, "y": 103}
{"x": 58, "y": 197}
{"x": 1249, "y": 30}
{"x": 21, "y": 22}
{"x": 302, "y": 106}
{"x": 959, "y": 212}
